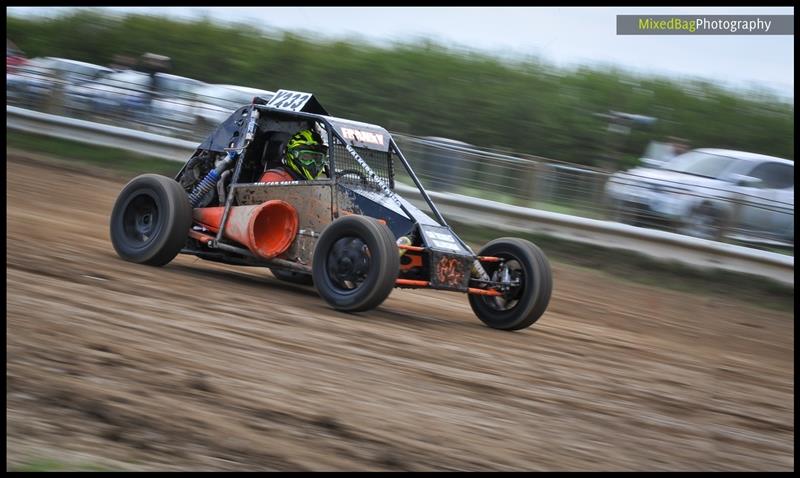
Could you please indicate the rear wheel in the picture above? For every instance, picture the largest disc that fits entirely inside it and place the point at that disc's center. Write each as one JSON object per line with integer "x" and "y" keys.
{"x": 150, "y": 220}
{"x": 355, "y": 263}
{"x": 527, "y": 272}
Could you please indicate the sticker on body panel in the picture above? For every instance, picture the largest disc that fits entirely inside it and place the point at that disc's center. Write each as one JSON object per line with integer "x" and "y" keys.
{"x": 442, "y": 238}
{"x": 363, "y": 136}
{"x": 450, "y": 271}
{"x": 444, "y": 241}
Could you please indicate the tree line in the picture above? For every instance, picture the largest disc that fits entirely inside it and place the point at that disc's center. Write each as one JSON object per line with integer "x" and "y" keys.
{"x": 426, "y": 89}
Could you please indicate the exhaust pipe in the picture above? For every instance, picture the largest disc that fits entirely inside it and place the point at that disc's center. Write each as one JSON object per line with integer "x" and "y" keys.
{"x": 266, "y": 229}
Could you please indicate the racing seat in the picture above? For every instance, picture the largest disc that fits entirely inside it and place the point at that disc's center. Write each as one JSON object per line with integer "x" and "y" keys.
{"x": 271, "y": 158}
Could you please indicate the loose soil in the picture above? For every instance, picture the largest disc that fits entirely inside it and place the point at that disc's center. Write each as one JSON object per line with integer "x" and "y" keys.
{"x": 203, "y": 366}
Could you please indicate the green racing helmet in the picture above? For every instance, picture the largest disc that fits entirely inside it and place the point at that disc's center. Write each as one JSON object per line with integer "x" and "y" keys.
{"x": 305, "y": 154}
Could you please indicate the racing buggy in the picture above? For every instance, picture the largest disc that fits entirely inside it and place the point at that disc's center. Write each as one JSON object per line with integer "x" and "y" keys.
{"x": 346, "y": 232}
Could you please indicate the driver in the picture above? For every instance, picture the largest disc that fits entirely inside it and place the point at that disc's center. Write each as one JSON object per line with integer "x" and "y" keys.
{"x": 303, "y": 158}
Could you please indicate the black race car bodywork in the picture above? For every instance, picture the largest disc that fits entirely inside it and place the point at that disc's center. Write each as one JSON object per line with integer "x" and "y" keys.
{"x": 349, "y": 233}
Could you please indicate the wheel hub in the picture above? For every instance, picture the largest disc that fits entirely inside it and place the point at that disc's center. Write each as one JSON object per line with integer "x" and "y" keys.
{"x": 140, "y": 219}
{"x": 510, "y": 275}
{"x": 345, "y": 266}
{"x": 348, "y": 263}
{"x": 144, "y": 223}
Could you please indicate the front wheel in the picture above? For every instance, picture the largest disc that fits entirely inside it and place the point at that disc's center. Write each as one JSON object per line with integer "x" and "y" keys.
{"x": 355, "y": 264}
{"x": 530, "y": 282}
{"x": 150, "y": 220}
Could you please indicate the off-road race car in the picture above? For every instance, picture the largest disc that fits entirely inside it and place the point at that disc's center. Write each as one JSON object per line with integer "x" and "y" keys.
{"x": 348, "y": 234}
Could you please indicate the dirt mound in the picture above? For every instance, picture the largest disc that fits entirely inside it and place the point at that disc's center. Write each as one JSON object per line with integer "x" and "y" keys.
{"x": 201, "y": 366}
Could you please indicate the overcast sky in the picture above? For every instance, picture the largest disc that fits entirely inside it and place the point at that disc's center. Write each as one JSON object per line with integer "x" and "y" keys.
{"x": 565, "y": 36}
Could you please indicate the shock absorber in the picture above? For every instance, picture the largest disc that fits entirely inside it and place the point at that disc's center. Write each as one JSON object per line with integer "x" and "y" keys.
{"x": 210, "y": 181}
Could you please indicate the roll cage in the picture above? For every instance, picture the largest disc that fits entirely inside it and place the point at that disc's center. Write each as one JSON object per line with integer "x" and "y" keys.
{"x": 242, "y": 128}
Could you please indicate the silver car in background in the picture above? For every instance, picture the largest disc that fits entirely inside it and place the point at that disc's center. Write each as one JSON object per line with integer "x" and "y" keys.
{"x": 29, "y": 86}
{"x": 69, "y": 71}
{"x": 40, "y": 81}
{"x": 711, "y": 193}
{"x": 162, "y": 99}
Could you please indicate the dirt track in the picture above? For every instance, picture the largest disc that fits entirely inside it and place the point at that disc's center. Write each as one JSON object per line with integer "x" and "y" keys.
{"x": 208, "y": 367}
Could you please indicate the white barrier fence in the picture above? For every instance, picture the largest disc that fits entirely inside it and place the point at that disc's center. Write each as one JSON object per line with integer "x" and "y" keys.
{"x": 502, "y": 217}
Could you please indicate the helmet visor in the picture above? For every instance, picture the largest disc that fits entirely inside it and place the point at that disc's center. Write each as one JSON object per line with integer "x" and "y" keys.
{"x": 311, "y": 161}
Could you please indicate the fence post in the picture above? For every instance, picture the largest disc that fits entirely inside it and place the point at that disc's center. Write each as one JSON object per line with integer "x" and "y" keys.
{"x": 55, "y": 103}
{"x": 541, "y": 186}
{"x": 529, "y": 183}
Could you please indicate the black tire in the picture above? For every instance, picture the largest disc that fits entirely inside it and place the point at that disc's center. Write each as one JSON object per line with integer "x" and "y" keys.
{"x": 529, "y": 300}
{"x": 293, "y": 277}
{"x": 150, "y": 220}
{"x": 346, "y": 277}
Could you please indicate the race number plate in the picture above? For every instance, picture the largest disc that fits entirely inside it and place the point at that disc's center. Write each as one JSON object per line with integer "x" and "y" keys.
{"x": 442, "y": 238}
{"x": 289, "y": 100}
